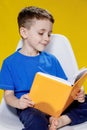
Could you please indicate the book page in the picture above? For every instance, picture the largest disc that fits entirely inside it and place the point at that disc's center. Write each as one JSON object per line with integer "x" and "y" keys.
{"x": 80, "y": 73}
{"x": 81, "y": 77}
{"x": 56, "y": 78}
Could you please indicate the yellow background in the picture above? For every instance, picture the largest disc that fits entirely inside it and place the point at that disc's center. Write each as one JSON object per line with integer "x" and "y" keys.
{"x": 70, "y": 20}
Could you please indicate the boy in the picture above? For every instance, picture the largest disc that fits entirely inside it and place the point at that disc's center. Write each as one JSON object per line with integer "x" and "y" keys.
{"x": 18, "y": 70}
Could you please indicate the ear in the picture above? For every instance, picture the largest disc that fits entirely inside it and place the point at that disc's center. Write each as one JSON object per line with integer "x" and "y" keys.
{"x": 23, "y": 32}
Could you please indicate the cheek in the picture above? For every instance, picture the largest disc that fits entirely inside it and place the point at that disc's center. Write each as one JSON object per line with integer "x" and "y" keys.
{"x": 36, "y": 39}
{"x": 33, "y": 41}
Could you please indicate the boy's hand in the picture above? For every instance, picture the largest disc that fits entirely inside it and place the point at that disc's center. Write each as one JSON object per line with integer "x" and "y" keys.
{"x": 25, "y": 102}
{"x": 80, "y": 96}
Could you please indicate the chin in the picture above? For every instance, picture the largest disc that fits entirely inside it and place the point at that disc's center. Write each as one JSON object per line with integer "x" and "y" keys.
{"x": 41, "y": 50}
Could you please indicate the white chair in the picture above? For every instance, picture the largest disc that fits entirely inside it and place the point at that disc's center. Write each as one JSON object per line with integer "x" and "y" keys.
{"x": 61, "y": 48}
{"x": 8, "y": 118}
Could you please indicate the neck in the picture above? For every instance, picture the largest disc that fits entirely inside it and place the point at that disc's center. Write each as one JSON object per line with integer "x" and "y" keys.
{"x": 29, "y": 52}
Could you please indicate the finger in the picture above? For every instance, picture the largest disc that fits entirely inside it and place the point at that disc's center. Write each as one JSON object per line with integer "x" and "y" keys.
{"x": 26, "y": 96}
{"x": 27, "y": 102}
{"x": 81, "y": 92}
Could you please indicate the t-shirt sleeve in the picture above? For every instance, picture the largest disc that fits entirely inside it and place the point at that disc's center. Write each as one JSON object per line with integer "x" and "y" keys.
{"x": 6, "y": 81}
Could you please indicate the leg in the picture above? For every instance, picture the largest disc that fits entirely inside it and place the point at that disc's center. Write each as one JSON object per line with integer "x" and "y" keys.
{"x": 76, "y": 113}
{"x": 33, "y": 119}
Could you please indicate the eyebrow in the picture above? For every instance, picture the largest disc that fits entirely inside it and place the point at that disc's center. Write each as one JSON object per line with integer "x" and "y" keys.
{"x": 45, "y": 29}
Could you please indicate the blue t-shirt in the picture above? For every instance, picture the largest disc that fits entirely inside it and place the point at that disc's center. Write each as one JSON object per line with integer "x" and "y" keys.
{"x": 18, "y": 71}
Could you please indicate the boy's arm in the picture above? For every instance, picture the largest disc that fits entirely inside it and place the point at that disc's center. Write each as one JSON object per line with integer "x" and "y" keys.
{"x": 13, "y": 101}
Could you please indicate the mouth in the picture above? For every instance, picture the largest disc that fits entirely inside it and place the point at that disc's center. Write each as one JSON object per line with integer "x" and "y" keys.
{"x": 44, "y": 44}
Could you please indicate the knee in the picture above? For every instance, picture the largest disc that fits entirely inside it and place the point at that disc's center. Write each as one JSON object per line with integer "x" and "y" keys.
{"x": 38, "y": 120}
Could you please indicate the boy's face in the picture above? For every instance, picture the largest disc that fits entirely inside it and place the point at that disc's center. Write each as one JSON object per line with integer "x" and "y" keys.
{"x": 38, "y": 36}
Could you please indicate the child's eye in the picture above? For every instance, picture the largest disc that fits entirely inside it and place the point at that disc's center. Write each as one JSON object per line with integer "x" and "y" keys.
{"x": 40, "y": 33}
{"x": 49, "y": 35}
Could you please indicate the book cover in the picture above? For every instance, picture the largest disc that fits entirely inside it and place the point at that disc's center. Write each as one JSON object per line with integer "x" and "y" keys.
{"x": 52, "y": 95}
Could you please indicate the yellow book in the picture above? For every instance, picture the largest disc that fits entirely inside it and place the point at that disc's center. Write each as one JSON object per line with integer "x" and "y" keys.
{"x": 52, "y": 95}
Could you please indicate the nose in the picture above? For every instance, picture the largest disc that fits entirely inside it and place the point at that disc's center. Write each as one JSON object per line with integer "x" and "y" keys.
{"x": 47, "y": 38}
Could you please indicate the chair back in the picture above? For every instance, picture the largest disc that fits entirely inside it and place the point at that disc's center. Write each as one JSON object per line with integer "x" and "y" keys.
{"x": 60, "y": 47}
